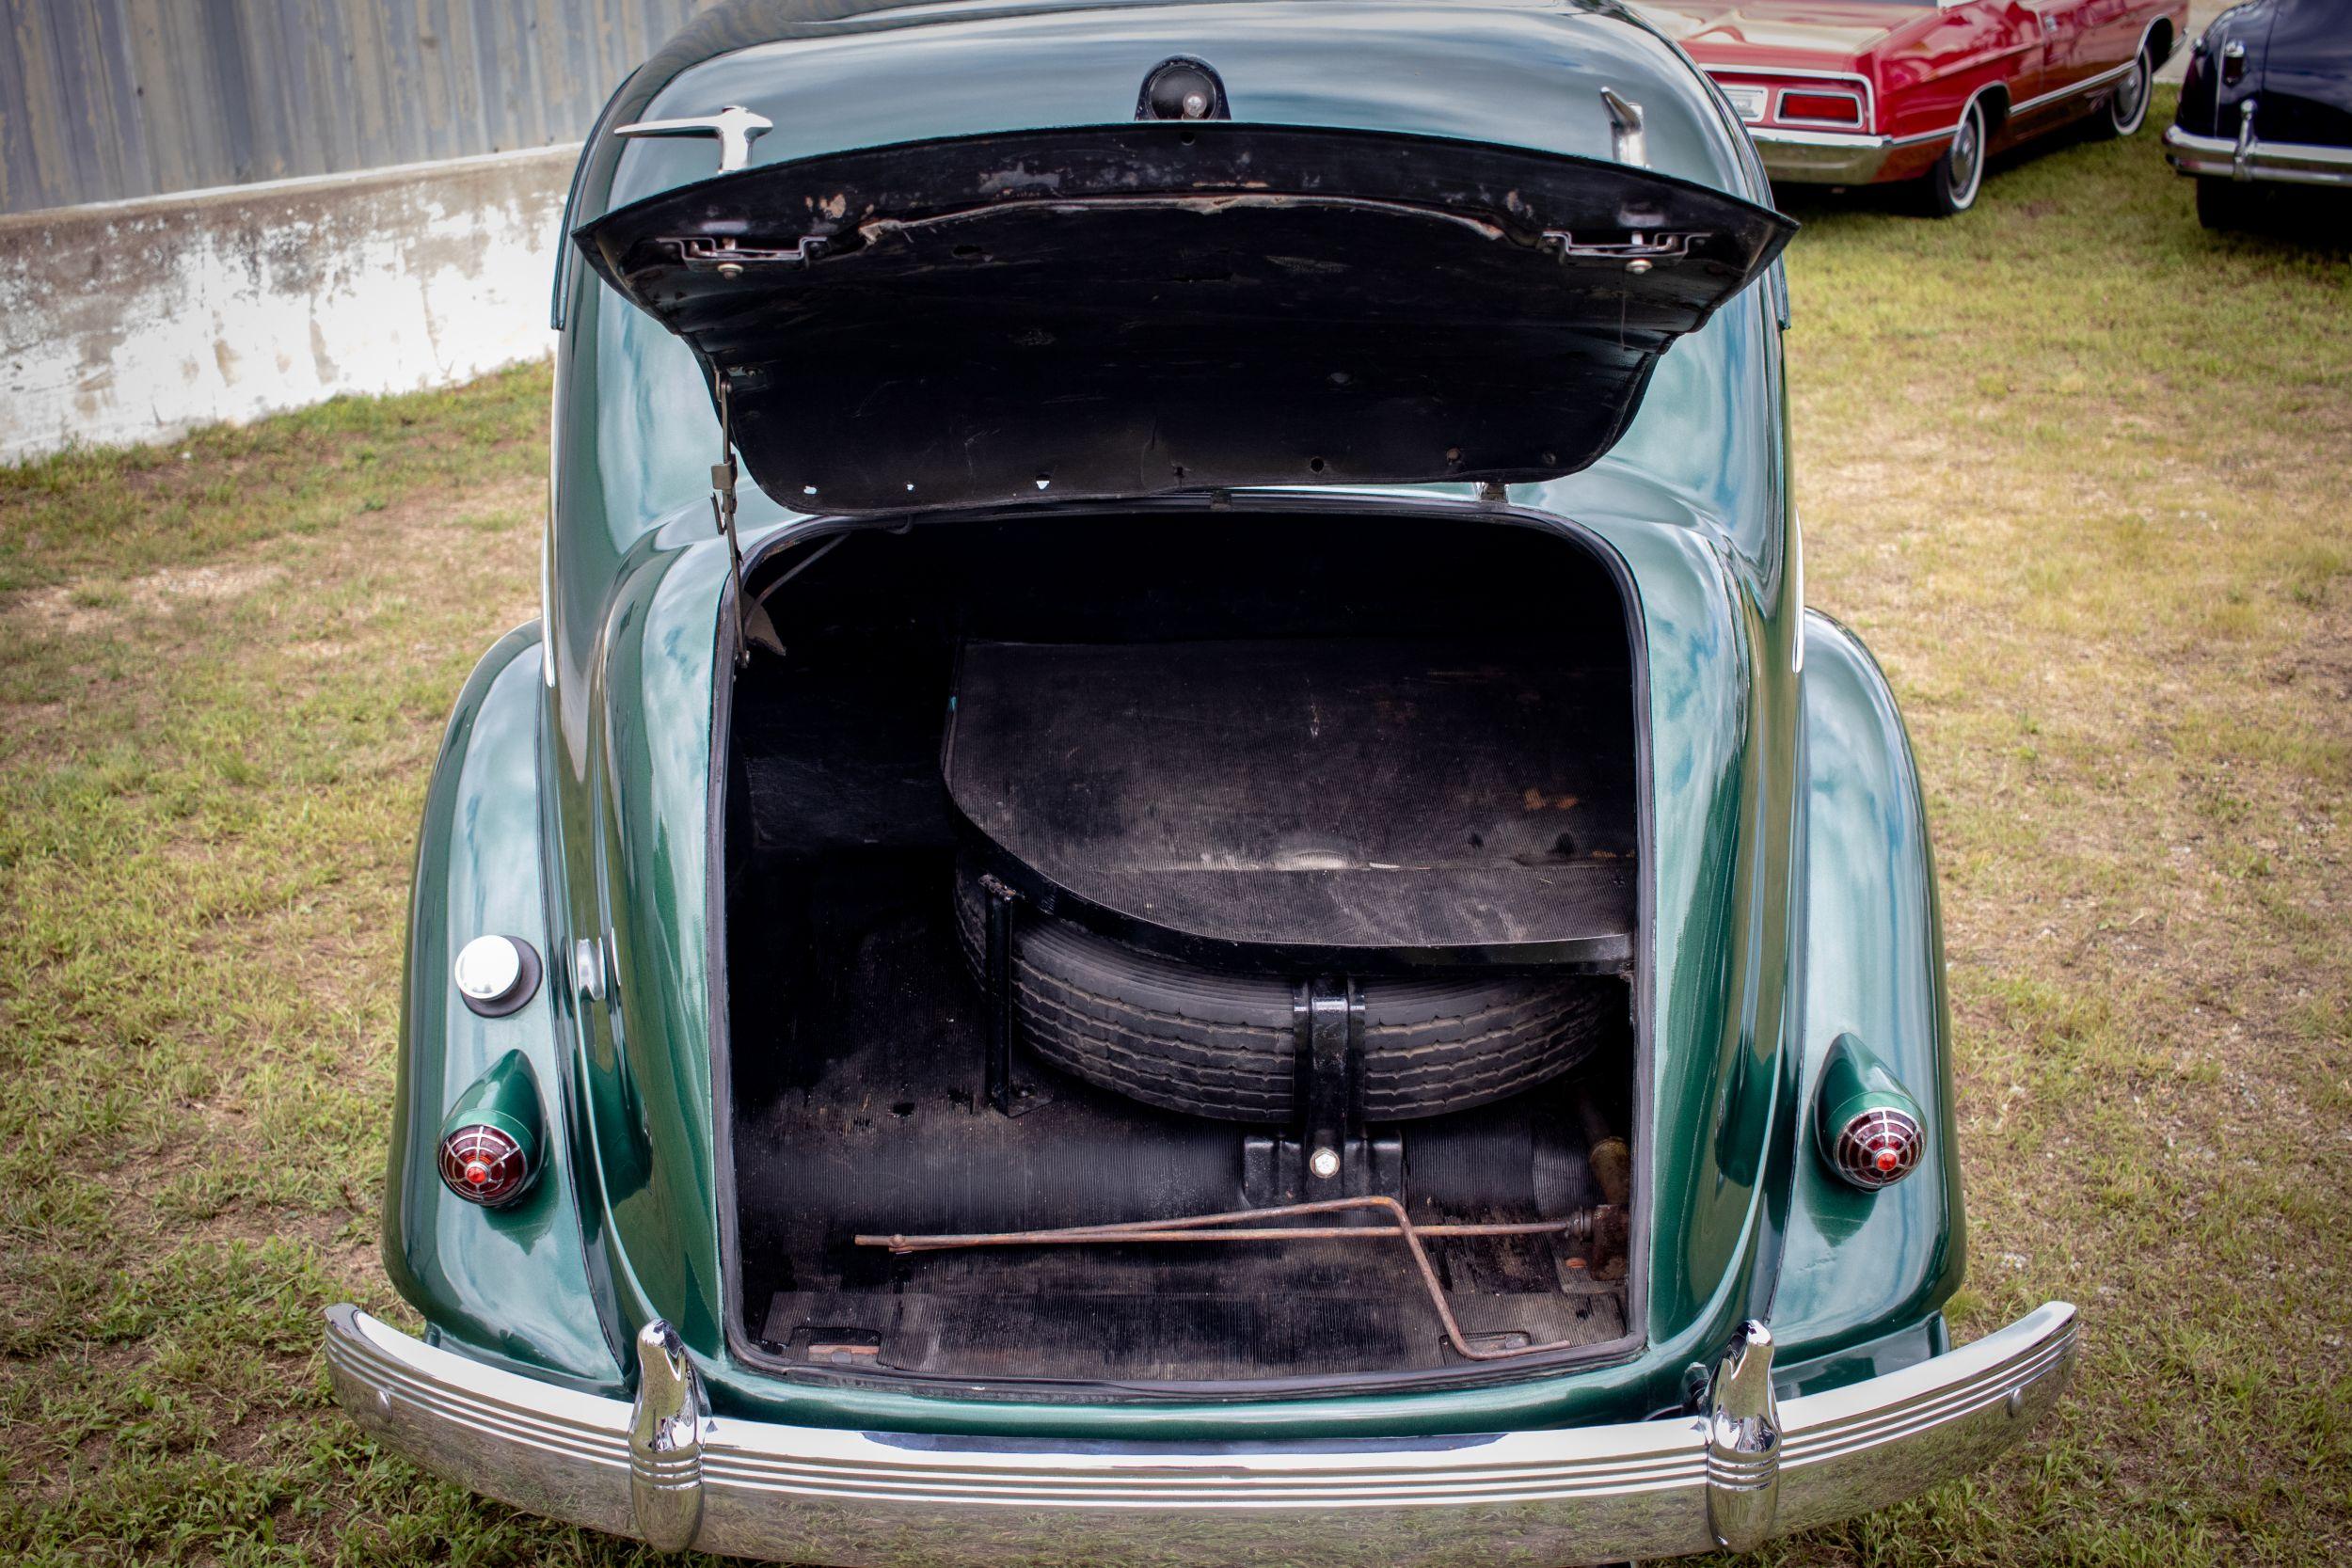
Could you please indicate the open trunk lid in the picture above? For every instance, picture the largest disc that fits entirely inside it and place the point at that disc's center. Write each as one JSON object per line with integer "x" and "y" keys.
{"x": 1121, "y": 311}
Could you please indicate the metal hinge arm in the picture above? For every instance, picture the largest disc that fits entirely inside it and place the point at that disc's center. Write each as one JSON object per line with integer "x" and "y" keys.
{"x": 723, "y": 478}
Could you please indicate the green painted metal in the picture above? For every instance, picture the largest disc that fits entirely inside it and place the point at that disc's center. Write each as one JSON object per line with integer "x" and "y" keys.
{"x": 510, "y": 1285}
{"x": 1790, "y": 895}
{"x": 1860, "y": 1264}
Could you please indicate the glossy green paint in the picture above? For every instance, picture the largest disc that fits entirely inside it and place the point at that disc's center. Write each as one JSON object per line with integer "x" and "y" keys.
{"x": 1859, "y": 1263}
{"x": 1789, "y": 894}
{"x": 1500, "y": 70}
{"x": 510, "y": 1286}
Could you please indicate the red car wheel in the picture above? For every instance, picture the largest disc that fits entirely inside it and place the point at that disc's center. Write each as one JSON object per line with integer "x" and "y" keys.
{"x": 1950, "y": 186}
{"x": 2127, "y": 105}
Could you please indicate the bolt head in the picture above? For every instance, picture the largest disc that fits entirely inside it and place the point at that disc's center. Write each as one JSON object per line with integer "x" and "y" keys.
{"x": 489, "y": 968}
{"x": 1324, "y": 1163}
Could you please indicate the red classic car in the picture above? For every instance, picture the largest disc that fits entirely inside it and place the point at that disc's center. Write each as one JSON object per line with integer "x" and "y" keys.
{"x": 1855, "y": 92}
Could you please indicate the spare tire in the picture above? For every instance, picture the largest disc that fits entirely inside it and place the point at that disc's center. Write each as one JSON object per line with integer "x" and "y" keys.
{"x": 1209, "y": 1042}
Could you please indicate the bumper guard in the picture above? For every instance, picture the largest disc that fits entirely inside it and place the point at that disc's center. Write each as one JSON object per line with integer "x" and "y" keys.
{"x": 2245, "y": 156}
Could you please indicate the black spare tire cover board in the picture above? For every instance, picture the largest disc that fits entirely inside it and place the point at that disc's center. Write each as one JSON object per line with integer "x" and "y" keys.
{"x": 1128, "y": 310}
{"x": 1329, "y": 804}
{"x": 1214, "y": 1043}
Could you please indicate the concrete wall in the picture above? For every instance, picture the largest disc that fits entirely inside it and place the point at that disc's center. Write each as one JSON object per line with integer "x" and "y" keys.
{"x": 216, "y": 209}
{"x": 111, "y": 100}
{"x": 135, "y": 321}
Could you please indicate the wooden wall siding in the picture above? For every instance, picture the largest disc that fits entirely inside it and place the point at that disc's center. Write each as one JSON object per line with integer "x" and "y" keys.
{"x": 105, "y": 99}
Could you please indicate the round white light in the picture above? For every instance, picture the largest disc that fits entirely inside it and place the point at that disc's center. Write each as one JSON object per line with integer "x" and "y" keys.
{"x": 489, "y": 969}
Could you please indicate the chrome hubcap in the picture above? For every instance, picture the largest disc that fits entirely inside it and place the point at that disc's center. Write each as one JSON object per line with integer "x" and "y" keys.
{"x": 1967, "y": 149}
{"x": 2131, "y": 95}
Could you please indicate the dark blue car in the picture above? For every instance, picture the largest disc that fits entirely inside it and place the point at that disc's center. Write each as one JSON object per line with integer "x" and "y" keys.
{"x": 2267, "y": 105}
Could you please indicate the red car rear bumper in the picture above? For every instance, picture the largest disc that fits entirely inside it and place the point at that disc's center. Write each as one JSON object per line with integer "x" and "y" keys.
{"x": 1847, "y": 157}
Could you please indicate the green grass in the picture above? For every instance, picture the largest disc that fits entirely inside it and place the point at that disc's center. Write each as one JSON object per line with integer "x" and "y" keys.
{"x": 89, "y": 518}
{"x": 2080, "y": 473}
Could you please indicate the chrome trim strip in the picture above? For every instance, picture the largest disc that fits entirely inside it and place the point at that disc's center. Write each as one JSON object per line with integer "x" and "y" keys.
{"x": 2094, "y": 83}
{"x": 821, "y": 1494}
{"x": 1774, "y": 136}
{"x": 1947, "y": 133}
{"x": 1627, "y": 144}
{"x": 2282, "y": 163}
{"x": 2088, "y": 84}
{"x": 1842, "y": 140}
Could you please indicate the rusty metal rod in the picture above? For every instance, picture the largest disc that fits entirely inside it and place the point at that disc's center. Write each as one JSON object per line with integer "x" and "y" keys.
{"x": 1579, "y": 1224}
{"x": 1136, "y": 1231}
{"x": 1223, "y": 1227}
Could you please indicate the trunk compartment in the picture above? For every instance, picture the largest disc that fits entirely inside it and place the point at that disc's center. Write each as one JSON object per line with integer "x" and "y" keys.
{"x": 1239, "y": 837}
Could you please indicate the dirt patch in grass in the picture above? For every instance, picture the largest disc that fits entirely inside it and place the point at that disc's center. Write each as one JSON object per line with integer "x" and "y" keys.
{"x": 90, "y": 604}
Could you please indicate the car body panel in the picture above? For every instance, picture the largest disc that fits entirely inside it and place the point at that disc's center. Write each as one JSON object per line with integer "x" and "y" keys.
{"x": 511, "y": 1286}
{"x": 1489, "y": 71}
{"x": 1694, "y": 496}
{"x": 2306, "y": 71}
{"x": 1859, "y": 1261}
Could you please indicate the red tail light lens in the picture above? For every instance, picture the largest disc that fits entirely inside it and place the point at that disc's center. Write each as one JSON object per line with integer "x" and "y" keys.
{"x": 1825, "y": 108}
{"x": 1879, "y": 1148}
{"x": 483, "y": 1165}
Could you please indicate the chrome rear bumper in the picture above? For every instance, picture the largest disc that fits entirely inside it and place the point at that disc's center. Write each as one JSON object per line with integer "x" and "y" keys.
{"x": 668, "y": 1472}
{"x": 1837, "y": 157}
{"x": 2247, "y": 157}
{"x": 1824, "y": 157}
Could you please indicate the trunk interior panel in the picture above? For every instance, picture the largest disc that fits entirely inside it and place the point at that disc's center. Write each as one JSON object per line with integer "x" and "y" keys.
{"x": 1256, "y": 760}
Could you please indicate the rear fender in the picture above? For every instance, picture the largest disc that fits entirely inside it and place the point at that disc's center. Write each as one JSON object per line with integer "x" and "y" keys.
{"x": 507, "y": 1286}
{"x": 1864, "y": 1276}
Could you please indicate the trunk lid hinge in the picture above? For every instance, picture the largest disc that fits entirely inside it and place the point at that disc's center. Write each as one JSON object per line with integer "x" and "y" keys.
{"x": 751, "y": 620}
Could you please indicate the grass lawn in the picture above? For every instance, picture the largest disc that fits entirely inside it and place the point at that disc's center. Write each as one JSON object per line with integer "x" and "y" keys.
{"x": 2080, "y": 473}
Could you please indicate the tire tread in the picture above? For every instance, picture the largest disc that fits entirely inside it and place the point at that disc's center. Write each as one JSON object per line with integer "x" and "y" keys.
{"x": 1204, "y": 1042}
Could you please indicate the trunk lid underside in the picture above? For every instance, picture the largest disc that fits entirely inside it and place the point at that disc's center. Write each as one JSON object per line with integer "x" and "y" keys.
{"x": 1138, "y": 309}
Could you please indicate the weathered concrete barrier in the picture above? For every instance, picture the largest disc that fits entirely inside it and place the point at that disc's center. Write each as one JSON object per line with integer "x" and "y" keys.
{"x": 135, "y": 321}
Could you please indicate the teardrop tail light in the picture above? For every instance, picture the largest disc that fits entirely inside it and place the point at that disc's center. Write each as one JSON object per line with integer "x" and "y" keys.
{"x": 1867, "y": 1127}
{"x": 491, "y": 1140}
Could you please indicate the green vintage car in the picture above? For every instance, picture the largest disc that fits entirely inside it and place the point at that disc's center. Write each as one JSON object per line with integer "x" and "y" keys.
{"x": 1174, "y": 877}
